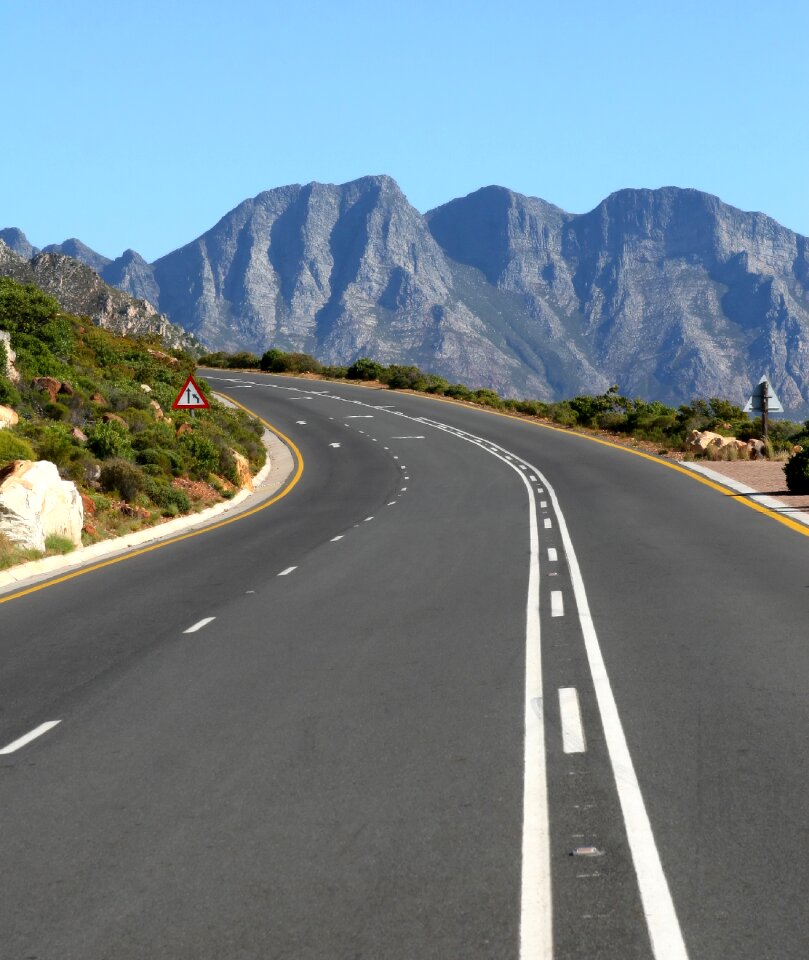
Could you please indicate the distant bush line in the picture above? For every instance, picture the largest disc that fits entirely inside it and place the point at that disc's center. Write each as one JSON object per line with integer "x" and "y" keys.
{"x": 612, "y": 412}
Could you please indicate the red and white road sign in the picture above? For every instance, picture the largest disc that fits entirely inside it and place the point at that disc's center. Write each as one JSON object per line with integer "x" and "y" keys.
{"x": 190, "y": 397}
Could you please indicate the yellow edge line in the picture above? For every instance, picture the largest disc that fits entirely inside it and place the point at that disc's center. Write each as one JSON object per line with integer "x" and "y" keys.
{"x": 183, "y": 536}
{"x": 800, "y": 528}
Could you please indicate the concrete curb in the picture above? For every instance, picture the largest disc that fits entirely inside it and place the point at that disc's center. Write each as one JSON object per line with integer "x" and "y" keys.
{"x": 272, "y": 476}
{"x": 772, "y": 503}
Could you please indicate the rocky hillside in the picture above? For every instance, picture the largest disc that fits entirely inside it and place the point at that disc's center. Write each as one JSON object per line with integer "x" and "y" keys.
{"x": 670, "y": 293}
{"x": 79, "y": 290}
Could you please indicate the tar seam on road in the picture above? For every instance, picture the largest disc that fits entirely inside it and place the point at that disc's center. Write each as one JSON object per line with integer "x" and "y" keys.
{"x": 185, "y": 536}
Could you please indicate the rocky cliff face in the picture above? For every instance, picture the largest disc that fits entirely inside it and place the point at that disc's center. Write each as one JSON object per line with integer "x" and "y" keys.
{"x": 670, "y": 293}
{"x": 79, "y": 290}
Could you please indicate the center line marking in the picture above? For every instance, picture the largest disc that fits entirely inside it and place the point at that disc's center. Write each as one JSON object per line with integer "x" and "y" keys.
{"x": 283, "y": 573}
{"x": 367, "y": 519}
{"x": 548, "y": 523}
{"x": 28, "y": 737}
{"x": 200, "y": 624}
{"x": 557, "y": 604}
{"x": 543, "y": 504}
{"x": 552, "y": 554}
{"x": 335, "y": 539}
{"x": 572, "y": 729}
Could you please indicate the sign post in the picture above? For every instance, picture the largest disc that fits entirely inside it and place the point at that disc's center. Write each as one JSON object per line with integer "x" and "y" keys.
{"x": 190, "y": 398}
{"x": 764, "y": 401}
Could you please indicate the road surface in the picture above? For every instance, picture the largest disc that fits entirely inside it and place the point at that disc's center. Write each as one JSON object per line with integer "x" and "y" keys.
{"x": 472, "y": 689}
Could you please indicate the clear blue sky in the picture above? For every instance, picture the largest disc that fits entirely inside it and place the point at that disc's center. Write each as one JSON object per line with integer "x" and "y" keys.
{"x": 140, "y": 125}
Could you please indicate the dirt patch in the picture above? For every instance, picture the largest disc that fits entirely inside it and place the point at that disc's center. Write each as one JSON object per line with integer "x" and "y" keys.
{"x": 763, "y": 476}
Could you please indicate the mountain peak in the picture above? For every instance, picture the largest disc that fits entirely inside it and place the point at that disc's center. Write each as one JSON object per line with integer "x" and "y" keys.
{"x": 17, "y": 241}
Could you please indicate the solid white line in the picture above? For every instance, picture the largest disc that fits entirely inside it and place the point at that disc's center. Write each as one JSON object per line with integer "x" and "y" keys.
{"x": 199, "y": 624}
{"x": 335, "y": 539}
{"x": 283, "y": 573}
{"x": 536, "y": 914}
{"x": 28, "y": 737}
{"x": 547, "y": 523}
{"x": 557, "y": 604}
{"x": 572, "y": 729}
{"x": 552, "y": 554}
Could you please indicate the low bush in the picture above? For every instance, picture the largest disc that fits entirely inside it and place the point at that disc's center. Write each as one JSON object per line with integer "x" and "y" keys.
{"x": 170, "y": 500}
{"x": 13, "y": 447}
{"x": 122, "y": 476}
{"x": 364, "y": 369}
{"x": 796, "y": 470}
{"x": 108, "y": 440}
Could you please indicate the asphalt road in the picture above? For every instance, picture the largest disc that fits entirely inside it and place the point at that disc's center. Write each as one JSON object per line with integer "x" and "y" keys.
{"x": 366, "y": 753}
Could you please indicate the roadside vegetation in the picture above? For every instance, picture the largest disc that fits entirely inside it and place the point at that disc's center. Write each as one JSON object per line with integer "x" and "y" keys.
{"x": 626, "y": 419}
{"x": 99, "y": 407}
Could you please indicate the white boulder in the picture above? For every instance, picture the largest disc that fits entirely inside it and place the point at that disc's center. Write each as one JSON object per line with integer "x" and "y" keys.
{"x": 35, "y": 502}
{"x": 8, "y": 417}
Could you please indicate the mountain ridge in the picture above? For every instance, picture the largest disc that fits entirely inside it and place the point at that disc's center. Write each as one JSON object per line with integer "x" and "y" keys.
{"x": 669, "y": 292}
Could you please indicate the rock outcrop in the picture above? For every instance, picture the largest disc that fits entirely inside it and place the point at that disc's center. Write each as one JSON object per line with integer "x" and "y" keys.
{"x": 244, "y": 477}
{"x": 79, "y": 290}
{"x": 10, "y": 370}
{"x": 35, "y": 502}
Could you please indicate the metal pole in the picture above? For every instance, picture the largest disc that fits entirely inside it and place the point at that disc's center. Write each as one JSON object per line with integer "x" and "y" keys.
{"x": 765, "y": 390}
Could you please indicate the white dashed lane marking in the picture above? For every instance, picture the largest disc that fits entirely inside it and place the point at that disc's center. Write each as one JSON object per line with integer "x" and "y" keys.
{"x": 28, "y": 737}
{"x": 548, "y": 523}
{"x": 199, "y": 625}
{"x": 572, "y": 729}
{"x": 288, "y": 570}
{"x": 552, "y": 554}
{"x": 557, "y": 604}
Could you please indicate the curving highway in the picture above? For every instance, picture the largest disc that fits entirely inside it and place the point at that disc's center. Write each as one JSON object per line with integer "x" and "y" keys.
{"x": 472, "y": 688}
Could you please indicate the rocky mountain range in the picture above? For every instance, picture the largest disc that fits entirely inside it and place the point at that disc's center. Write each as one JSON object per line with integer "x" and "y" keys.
{"x": 669, "y": 293}
{"x": 78, "y": 289}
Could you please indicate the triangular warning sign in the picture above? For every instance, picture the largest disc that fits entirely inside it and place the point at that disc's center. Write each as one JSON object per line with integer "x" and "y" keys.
{"x": 755, "y": 404}
{"x": 190, "y": 397}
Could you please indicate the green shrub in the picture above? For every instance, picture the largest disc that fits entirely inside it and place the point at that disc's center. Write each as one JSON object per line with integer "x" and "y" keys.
{"x": 154, "y": 458}
{"x": 563, "y": 414}
{"x": 13, "y": 447}
{"x": 54, "y": 442}
{"x": 488, "y": 398}
{"x": 400, "y": 377}
{"x": 242, "y": 361}
{"x": 163, "y": 495}
{"x": 108, "y": 440}
{"x": 797, "y": 472}
{"x": 364, "y": 369}
{"x": 123, "y": 476}
{"x": 56, "y": 411}
{"x": 459, "y": 391}
{"x": 202, "y": 454}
